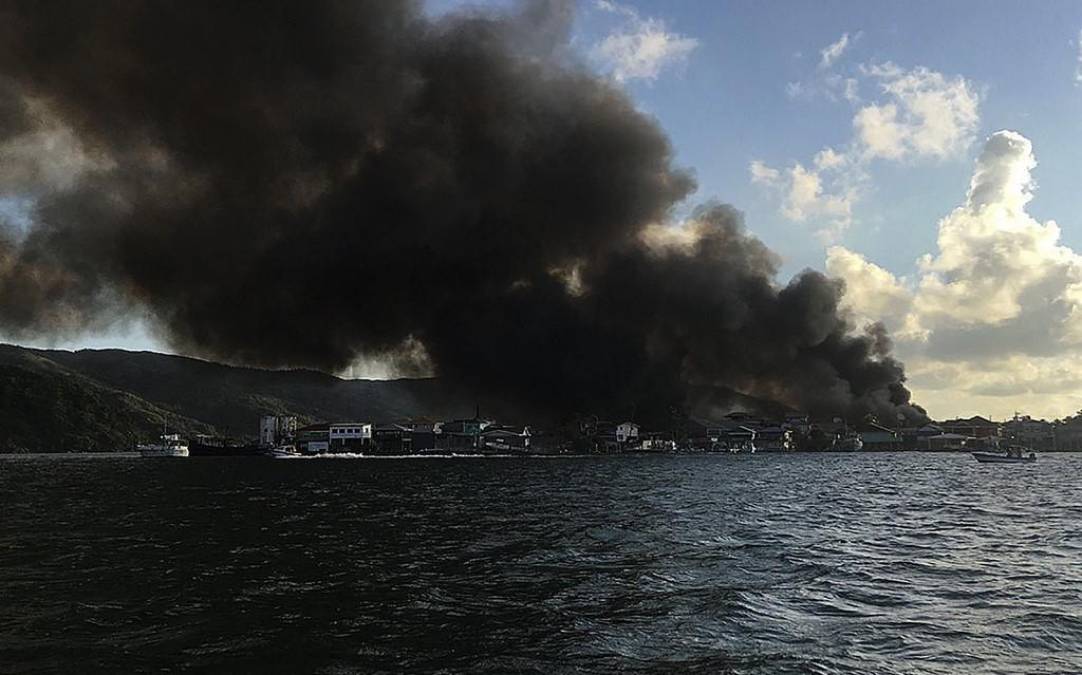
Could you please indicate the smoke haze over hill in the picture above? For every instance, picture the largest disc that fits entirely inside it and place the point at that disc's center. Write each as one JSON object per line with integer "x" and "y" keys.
{"x": 281, "y": 184}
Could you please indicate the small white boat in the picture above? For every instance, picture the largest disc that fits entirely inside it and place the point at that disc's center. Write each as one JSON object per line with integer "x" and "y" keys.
{"x": 283, "y": 451}
{"x": 170, "y": 445}
{"x": 1002, "y": 458}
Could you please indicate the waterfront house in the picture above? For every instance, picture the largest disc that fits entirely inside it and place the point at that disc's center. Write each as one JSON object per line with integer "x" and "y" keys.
{"x": 737, "y": 437}
{"x": 460, "y": 435}
{"x": 875, "y": 436}
{"x": 614, "y": 437}
{"x": 656, "y": 441}
{"x": 725, "y": 434}
{"x": 697, "y": 434}
{"x": 603, "y": 437}
{"x": 798, "y": 423}
{"x": 350, "y": 436}
{"x": 422, "y": 434}
{"x": 976, "y": 427}
{"x": 1032, "y": 433}
{"x": 313, "y": 439}
{"x": 505, "y": 439}
{"x": 547, "y": 442}
{"x": 392, "y": 439}
{"x": 771, "y": 437}
{"x": 913, "y": 437}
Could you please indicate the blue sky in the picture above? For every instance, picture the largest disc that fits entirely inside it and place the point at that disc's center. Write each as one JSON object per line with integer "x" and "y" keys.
{"x": 848, "y": 133}
{"x": 727, "y": 105}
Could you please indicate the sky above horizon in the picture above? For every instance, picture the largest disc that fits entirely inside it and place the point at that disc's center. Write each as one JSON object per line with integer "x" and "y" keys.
{"x": 862, "y": 138}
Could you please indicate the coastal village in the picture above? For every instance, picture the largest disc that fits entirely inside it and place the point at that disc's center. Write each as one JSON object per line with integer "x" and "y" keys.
{"x": 737, "y": 432}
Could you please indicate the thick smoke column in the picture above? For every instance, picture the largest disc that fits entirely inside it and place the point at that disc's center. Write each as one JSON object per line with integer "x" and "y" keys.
{"x": 294, "y": 184}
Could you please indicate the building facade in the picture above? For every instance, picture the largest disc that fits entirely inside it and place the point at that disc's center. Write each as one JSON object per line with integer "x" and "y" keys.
{"x": 345, "y": 436}
{"x": 275, "y": 430}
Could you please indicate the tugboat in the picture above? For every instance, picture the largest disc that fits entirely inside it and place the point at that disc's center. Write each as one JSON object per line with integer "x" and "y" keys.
{"x": 169, "y": 445}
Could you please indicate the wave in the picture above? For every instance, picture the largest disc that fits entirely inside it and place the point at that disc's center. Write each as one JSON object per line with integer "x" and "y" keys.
{"x": 359, "y": 455}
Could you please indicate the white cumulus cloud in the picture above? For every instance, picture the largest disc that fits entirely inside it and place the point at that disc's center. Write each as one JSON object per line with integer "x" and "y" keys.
{"x": 926, "y": 115}
{"x": 641, "y": 47}
{"x": 873, "y": 293}
{"x": 919, "y": 114}
{"x": 993, "y": 318}
{"x": 833, "y": 51}
{"x": 763, "y": 174}
{"x": 820, "y": 193}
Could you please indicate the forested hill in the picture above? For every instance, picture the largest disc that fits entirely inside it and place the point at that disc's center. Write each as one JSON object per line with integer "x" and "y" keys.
{"x": 111, "y": 399}
{"x": 102, "y": 400}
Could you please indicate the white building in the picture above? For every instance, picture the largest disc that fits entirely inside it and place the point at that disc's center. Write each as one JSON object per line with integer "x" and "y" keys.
{"x": 350, "y": 434}
{"x": 628, "y": 432}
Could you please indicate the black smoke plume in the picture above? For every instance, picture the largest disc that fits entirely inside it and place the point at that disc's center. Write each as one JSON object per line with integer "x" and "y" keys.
{"x": 299, "y": 183}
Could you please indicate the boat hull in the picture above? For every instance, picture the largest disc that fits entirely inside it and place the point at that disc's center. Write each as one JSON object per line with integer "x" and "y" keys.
{"x": 992, "y": 458}
{"x": 170, "y": 445}
{"x": 163, "y": 452}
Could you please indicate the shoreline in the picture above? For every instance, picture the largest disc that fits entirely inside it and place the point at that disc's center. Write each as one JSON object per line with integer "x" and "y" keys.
{"x": 345, "y": 455}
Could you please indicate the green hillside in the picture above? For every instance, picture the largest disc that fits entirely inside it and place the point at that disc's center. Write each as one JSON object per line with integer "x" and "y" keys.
{"x": 53, "y": 400}
{"x": 45, "y": 407}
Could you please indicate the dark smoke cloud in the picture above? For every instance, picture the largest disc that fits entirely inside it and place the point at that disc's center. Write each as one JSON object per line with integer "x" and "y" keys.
{"x": 294, "y": 184}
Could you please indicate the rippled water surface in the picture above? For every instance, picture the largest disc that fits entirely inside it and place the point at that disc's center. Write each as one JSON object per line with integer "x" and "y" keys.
{"x": 892, "y": 563}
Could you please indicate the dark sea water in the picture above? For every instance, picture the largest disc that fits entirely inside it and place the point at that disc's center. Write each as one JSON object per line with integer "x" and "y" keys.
{"x": 860, "y": 563}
